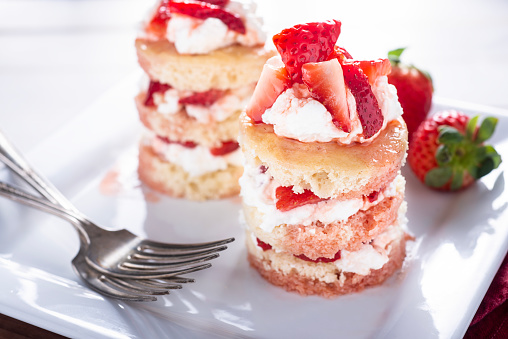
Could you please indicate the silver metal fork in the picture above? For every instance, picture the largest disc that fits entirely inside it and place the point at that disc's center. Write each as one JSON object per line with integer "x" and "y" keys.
{"x": 119, "y": 256}
{"x": 119, "y": 288}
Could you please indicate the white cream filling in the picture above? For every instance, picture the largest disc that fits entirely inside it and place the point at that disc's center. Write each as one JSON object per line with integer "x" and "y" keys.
{"x": 232, "y": 101}
{"x": 297, "y": 116}
{"x": 167, "y": 102}
{"x": 197, "y": 160}
{"x": 196, "y": 36}
{"x": 371, "y": 256}
{"x": 258, "y": 190}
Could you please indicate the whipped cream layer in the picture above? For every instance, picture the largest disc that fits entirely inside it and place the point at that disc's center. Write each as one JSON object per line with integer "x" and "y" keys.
{"x": 296, "y": 115}
{"x": 233, "y": 101}
{"x": 196, "y": 160}
{"x": 195, "y": 36}
{"x": 372, "y": 256}
{"x": 258, "y": 190}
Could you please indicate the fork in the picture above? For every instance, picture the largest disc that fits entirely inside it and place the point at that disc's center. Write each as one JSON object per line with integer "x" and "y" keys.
{"x": 116, "y": 254}
{"x": 119, "y": 288}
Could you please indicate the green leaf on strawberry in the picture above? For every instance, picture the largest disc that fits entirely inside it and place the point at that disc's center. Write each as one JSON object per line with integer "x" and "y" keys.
{"x": 394, "y": 55}
{"x": 471, "y": 127}
{"x": 449, "y": 135}
{"x": 438, "y": 177}
{"x": 486, "y": 129}
{"x": 448, "y": 151}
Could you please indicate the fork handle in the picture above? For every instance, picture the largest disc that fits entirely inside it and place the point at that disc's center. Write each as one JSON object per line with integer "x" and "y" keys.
{"x": 20, "y": 196}
{"x": 15, "y": 161}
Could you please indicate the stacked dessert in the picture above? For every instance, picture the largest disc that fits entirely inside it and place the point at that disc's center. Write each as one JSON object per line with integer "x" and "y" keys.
{"x": 203, "y": 59}
{"x": 323, "y": 141}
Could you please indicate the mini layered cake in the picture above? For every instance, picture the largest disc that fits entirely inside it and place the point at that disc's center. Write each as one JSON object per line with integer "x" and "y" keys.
{"x": 203, "y": 59}
{"x": 323, "y": 141}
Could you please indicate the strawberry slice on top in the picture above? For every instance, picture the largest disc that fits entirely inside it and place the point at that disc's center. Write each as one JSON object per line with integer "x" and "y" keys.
{"x": 159, "y": 21}
{"x": 369, "y": 113}
{"x": 311, "y": 42}
{"x": 375, "y": 68}
{"x": 204, "y": 10}
{"x": 220, "y": 3}
{"x": 274, "y": 80}
{"x": 325, "y": 81}
{"x": 358, "y": 76}
{"x": 310, "y": 56}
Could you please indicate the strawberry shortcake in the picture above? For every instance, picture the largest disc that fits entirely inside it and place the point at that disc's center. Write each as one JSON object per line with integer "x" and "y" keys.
{"x": 203, "y": 59}
{"x": 323, "y": 141}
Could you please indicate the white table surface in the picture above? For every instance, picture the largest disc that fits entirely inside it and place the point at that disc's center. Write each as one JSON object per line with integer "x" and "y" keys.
{"x": 57, "y": 56}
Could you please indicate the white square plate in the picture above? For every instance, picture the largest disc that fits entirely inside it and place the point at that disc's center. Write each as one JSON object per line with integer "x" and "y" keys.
{"x": 461, "y": 239}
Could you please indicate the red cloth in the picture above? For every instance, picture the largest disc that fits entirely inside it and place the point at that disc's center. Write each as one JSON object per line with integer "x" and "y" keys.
{"x": 491, "y": 318}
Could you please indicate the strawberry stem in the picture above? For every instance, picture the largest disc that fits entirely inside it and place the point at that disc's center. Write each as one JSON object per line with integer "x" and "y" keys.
{"x": 460, "y": 153}
{"x": 394, "y": 55}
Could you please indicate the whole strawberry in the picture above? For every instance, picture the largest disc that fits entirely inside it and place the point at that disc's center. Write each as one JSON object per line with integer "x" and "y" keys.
{"x": 414, "y": 89}
{"x": 448, "y": 151}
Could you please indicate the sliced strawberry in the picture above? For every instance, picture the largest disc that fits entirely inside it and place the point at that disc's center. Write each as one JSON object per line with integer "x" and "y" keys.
{"x": 373, "y": 196}
{"x": 340, "y": 54}
{"x": 225, "y": 148}
{"x": 159, "y": 22}
{"x": 206, "y": 99}
{"x": 220, "y": 3}
{"x": 188, "y": 144}
{"x": 273, "y": 80}
{"x": 263, "y": 245}
{"x": 375, "y": 68}
{"x": 326, "y": 84}
{"x": 300, "y": 44}
{"x": 154, "y": 87}
{"x": 320, "y": 259}
{"x": 203, "y": 10}
{"x": 369, "y": 113}
{"x": 286, "y": 199}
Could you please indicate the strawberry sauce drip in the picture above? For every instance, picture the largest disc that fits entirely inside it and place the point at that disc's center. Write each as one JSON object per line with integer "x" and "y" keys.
{"x": 155, "y": 87}
{"x": 267, "y": 247}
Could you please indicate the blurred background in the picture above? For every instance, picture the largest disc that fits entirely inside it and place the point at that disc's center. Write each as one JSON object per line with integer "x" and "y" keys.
{"x": 58, "y": 56}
